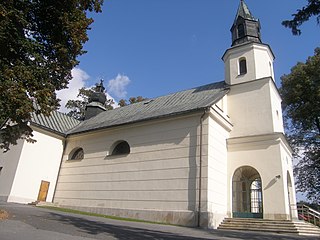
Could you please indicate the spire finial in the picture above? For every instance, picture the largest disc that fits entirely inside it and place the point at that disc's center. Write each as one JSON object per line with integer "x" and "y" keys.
{"x": 100, "y": 87}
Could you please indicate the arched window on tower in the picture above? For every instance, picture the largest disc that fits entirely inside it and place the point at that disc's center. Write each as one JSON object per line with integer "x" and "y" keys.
{"x": 242, "y": 66}
{"x": 240, "y": 30}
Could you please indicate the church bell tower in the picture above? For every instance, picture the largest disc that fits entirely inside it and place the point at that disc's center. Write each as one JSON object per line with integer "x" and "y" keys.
{"x": 248, "y": 58}
{"x": 258, "y": 151}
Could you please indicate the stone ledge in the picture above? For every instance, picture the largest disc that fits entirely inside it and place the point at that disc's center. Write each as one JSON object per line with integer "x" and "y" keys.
{"x": 182, "y": 218}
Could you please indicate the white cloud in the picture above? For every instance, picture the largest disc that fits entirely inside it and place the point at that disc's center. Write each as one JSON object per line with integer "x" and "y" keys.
{"x": 79, "y": 77}
{"x": 115, "y": 103}
{"x": 117, "y": 86}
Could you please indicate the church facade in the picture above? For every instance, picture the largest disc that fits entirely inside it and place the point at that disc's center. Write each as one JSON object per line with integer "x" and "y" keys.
{"x": 189, "y": 158}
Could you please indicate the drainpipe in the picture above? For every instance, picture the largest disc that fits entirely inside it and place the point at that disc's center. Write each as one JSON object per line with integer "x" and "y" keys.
{"x": 200, "y": 164}
{"x": 64, "y": 143}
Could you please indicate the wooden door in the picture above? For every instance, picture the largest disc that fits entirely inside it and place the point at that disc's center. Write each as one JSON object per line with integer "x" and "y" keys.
{"x": 43, "y": 192}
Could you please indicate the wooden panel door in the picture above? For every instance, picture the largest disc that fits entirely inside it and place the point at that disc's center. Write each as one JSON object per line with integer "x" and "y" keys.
{"x": 43, "y": 192}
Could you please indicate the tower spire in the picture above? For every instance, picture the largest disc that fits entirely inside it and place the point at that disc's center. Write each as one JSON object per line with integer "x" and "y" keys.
{"x": 96, "y": 101}
{"x": 245, "y": 28}
{"x": 244, "y": 12}
{"x": 248, "y": 59}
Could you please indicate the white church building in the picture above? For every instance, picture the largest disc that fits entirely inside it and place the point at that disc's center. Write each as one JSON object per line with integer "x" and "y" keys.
{"x": 190, "y": 158}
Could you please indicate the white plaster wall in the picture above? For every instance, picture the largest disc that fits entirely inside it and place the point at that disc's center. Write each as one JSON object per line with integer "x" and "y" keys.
{"x": 250, "y": 108}
{"x": 231, "y": 60}
{"x": 276, "y": 109}
{"x": 9, "y": 162}
{"x": 160, "y": 172}
{"x": 223, "y": 104}
{"x": 263, "y": 60}
{"x": 217, "y": 173}
{"x": 38, "y": 161}
{"x": 264, "y": 154}
{"x": 255, "y": 108}
{"x": 259, "y": 63}
{"x": 287, "y": 166}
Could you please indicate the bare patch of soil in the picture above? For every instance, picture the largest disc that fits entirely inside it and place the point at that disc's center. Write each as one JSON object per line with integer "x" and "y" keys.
{"x": 3, "y": 215}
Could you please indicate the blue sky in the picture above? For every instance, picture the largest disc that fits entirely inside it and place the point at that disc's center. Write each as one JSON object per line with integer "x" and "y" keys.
{"x": 155, "y": 47}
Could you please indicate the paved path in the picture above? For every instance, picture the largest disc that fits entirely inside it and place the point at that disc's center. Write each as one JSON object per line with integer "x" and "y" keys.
{"x": 33, "y": 223}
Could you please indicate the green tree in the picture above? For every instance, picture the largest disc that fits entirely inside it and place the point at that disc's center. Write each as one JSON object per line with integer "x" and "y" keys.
{"x": 132, "y": 100}
{"x": 39, "y": 45}
{"x": 77, "y": 107}
{"x": 300, "y": 91}
{"x": 311, "y": 9}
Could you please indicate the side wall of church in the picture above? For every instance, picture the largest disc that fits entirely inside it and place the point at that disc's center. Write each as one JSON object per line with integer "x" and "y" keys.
{"x": 38, "y": 162}
{"x": 156, "y": 181}
{"x": 217, "y": 173}
{"x": 8, "y": 164}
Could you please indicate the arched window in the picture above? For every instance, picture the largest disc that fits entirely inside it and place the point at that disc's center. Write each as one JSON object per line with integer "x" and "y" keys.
{"x": 242, "y": 66}
{"x": 76, "y": 154}
{"x": 240, "y": 30}
{"x": 121, "y": 147}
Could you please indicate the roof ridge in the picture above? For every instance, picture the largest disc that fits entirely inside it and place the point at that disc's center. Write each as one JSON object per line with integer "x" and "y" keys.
{"x": 182, "y": 102}
{"x": 180, "y": 91}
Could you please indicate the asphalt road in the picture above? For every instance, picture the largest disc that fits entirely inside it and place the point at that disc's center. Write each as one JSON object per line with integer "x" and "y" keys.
{"x": 33, "y": 223}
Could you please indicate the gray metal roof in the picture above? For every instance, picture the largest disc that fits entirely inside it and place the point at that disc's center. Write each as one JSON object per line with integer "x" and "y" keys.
{"x": 57, "y": 122}
{"x": 173, "y": 104}
{"x": 244, "y": 12}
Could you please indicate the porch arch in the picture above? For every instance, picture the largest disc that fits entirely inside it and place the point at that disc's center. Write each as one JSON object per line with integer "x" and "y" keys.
{"x": 247, "y": 193}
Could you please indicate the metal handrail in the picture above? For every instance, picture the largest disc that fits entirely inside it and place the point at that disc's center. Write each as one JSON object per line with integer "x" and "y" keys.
{"x": 308, "y": 214}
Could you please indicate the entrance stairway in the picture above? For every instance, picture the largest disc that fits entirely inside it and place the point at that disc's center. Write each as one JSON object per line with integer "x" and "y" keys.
{"x": 275, "y": 226}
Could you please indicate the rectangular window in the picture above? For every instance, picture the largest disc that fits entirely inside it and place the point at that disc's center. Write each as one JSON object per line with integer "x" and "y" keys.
{"x": 242, "y": 66}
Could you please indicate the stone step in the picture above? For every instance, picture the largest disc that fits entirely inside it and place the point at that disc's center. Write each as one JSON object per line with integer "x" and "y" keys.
{"x": 259, "y": 229}
{"x": 277, "y": 226}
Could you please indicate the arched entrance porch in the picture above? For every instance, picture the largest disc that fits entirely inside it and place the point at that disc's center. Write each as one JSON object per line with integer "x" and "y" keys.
{"x": 247, "y": 193}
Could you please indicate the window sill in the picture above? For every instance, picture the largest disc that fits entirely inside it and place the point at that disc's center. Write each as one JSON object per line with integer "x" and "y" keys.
{"x": 116, "y": 156}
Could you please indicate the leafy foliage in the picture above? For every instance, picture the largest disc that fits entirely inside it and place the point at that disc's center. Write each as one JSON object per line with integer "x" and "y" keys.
{"x": 132, "y": 100}
{"x": 78, "y": 106}
{"x": 39, "y": 45}
{"x": 300, "y": 91}
{"x": 303, "y": 15}
{"x": 311, "y": 205}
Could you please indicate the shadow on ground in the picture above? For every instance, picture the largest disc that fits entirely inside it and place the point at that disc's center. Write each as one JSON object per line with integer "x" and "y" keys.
{"x": 126, "y": 232}
{"x": 117, "y": 231}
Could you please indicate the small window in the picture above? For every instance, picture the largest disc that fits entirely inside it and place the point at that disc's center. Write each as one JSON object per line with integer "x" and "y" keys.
{"x": 270, "y": 66}
{"x": 76, "y": 154}
{"x": 1, "y": 170}
{"x": 121, "y": 147}
{"x": 242, "y": 66}
{"x": 240, "y": 30}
